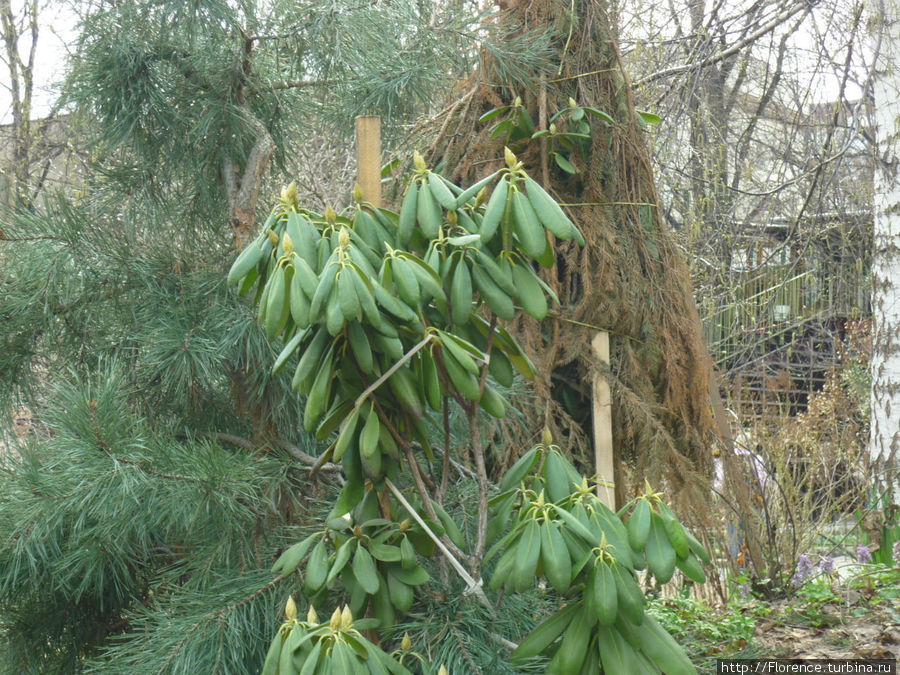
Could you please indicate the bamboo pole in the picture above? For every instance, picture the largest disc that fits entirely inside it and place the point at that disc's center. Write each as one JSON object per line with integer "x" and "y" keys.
{"x": 368, "y": 153}
{"x": 602, "y": 411}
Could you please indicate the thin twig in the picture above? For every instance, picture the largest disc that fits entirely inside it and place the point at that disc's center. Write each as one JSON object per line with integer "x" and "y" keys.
{"x": 307, "y": 459}
{"x": 4, "y": 237}
{"x": 303, "y": 84}
{"x": 542, "y": 122}
{"x": 461, "y": 469}
{"x": 417, "y": 470}
{"x": 239, "y": 441}
{"x": 472, "y": 586}
{"x": 393, "y": 369}
{"x": 478, "y": 456}
{"x": 426, "y": 498}
{"x": 724, "y": 54}
{"x": 445, "y": 471}
{"x": 575, "y": 77}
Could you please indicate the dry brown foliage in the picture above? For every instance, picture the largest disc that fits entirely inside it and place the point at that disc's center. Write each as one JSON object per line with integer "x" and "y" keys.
{"x": 630, "y": 279}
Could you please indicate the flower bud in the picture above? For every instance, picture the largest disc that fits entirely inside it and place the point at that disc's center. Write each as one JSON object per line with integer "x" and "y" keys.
{"x": 418, "y": 161}
{"x": 406, "y": 643}
{"x": 518, "y": 103}
{"x": 546, "y": 436}
{"x": 405, "y": 525}
{"x": 573, "y": 103}
{"x": 452, "y": 217}
{"x": 288, "y": 243}
{"x": 273, "y": 238}
{"x": 335, "y": 622}
{"x": 330, "y": 215}
{"x": 344, "y": 237}
{"x": 346, "y": 617}
{"x": 357, "y": 193}
{"x": 443, "y": 670}
{"x": 510, "y": 157}
{"x": 311, "y": 616}
{"x": 552, "y": 128}
{"x": 290, "y": 609}
{"x": 480, "y": 197}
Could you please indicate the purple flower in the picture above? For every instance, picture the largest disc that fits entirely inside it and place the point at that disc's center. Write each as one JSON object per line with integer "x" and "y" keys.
{"x": 827, "y": 565}
{"x": 804, "y": 567}
{"x": 863, "y": 554}
{"x": 744, "y": 590}
{"x": 895, "y": 552}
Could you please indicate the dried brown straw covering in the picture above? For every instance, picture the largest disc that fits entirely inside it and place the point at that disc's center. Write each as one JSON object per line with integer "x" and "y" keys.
{"x": 630, "y": 279}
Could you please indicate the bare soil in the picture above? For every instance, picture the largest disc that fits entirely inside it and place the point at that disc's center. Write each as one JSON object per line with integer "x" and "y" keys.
{"x": 851, "y": 631}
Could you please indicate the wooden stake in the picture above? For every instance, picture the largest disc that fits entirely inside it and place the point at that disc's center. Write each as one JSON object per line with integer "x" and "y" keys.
{"x": 603, "y": 445}
{"x": 368, "y": 152}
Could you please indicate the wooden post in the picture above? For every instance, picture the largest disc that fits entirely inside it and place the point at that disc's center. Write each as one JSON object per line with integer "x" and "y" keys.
{"x": 603, "y": 445}
{"x": 368, "y": 152}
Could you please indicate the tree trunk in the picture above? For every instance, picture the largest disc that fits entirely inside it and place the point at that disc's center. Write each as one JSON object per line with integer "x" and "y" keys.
{"x": 885, "y": 434}
{"x": 21, "y": 85}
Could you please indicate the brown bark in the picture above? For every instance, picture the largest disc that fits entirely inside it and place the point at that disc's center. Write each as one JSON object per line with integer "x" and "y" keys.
{"x": 242, "y": 186}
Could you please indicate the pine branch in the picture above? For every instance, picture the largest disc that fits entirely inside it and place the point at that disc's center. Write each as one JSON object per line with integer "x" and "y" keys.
{"x": 305, "y": 84}
{"x": 310, "y": 461}
{"x": 219, "y": 614}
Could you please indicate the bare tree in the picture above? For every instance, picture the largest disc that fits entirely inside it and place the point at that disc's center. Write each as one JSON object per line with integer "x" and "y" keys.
{"x": 763, "y": 142}
{"x": 20, "y": 40}
{"x": 762, "y": 161}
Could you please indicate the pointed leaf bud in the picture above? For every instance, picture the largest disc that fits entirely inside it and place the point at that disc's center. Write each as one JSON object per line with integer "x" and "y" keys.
{"x": 346, "y": 617}
{"x": 518, "y": 103}
{"x": 418, "y": 161}
{"x": 288, "y": 243}
{"x": 311, "y": 616}
{"x": 573, "y": 103}
{"x": 344, "y": 237}
{"x": 405, "y": 525}
{"x": 510, "y": 157}
{"x": 451, "y": 217}
{"x": 481, "y": 196}
{"x": 552, "y": 128}
{"x": 406, "y": 643}
{"x": 546, "y": 436}
{"x": 273, "y": 238}
{"x": 357, "y": 193}
{"x": 335, "y": 622}
{"x": 330, "y": 215}
{"x": 290, "y": 609}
